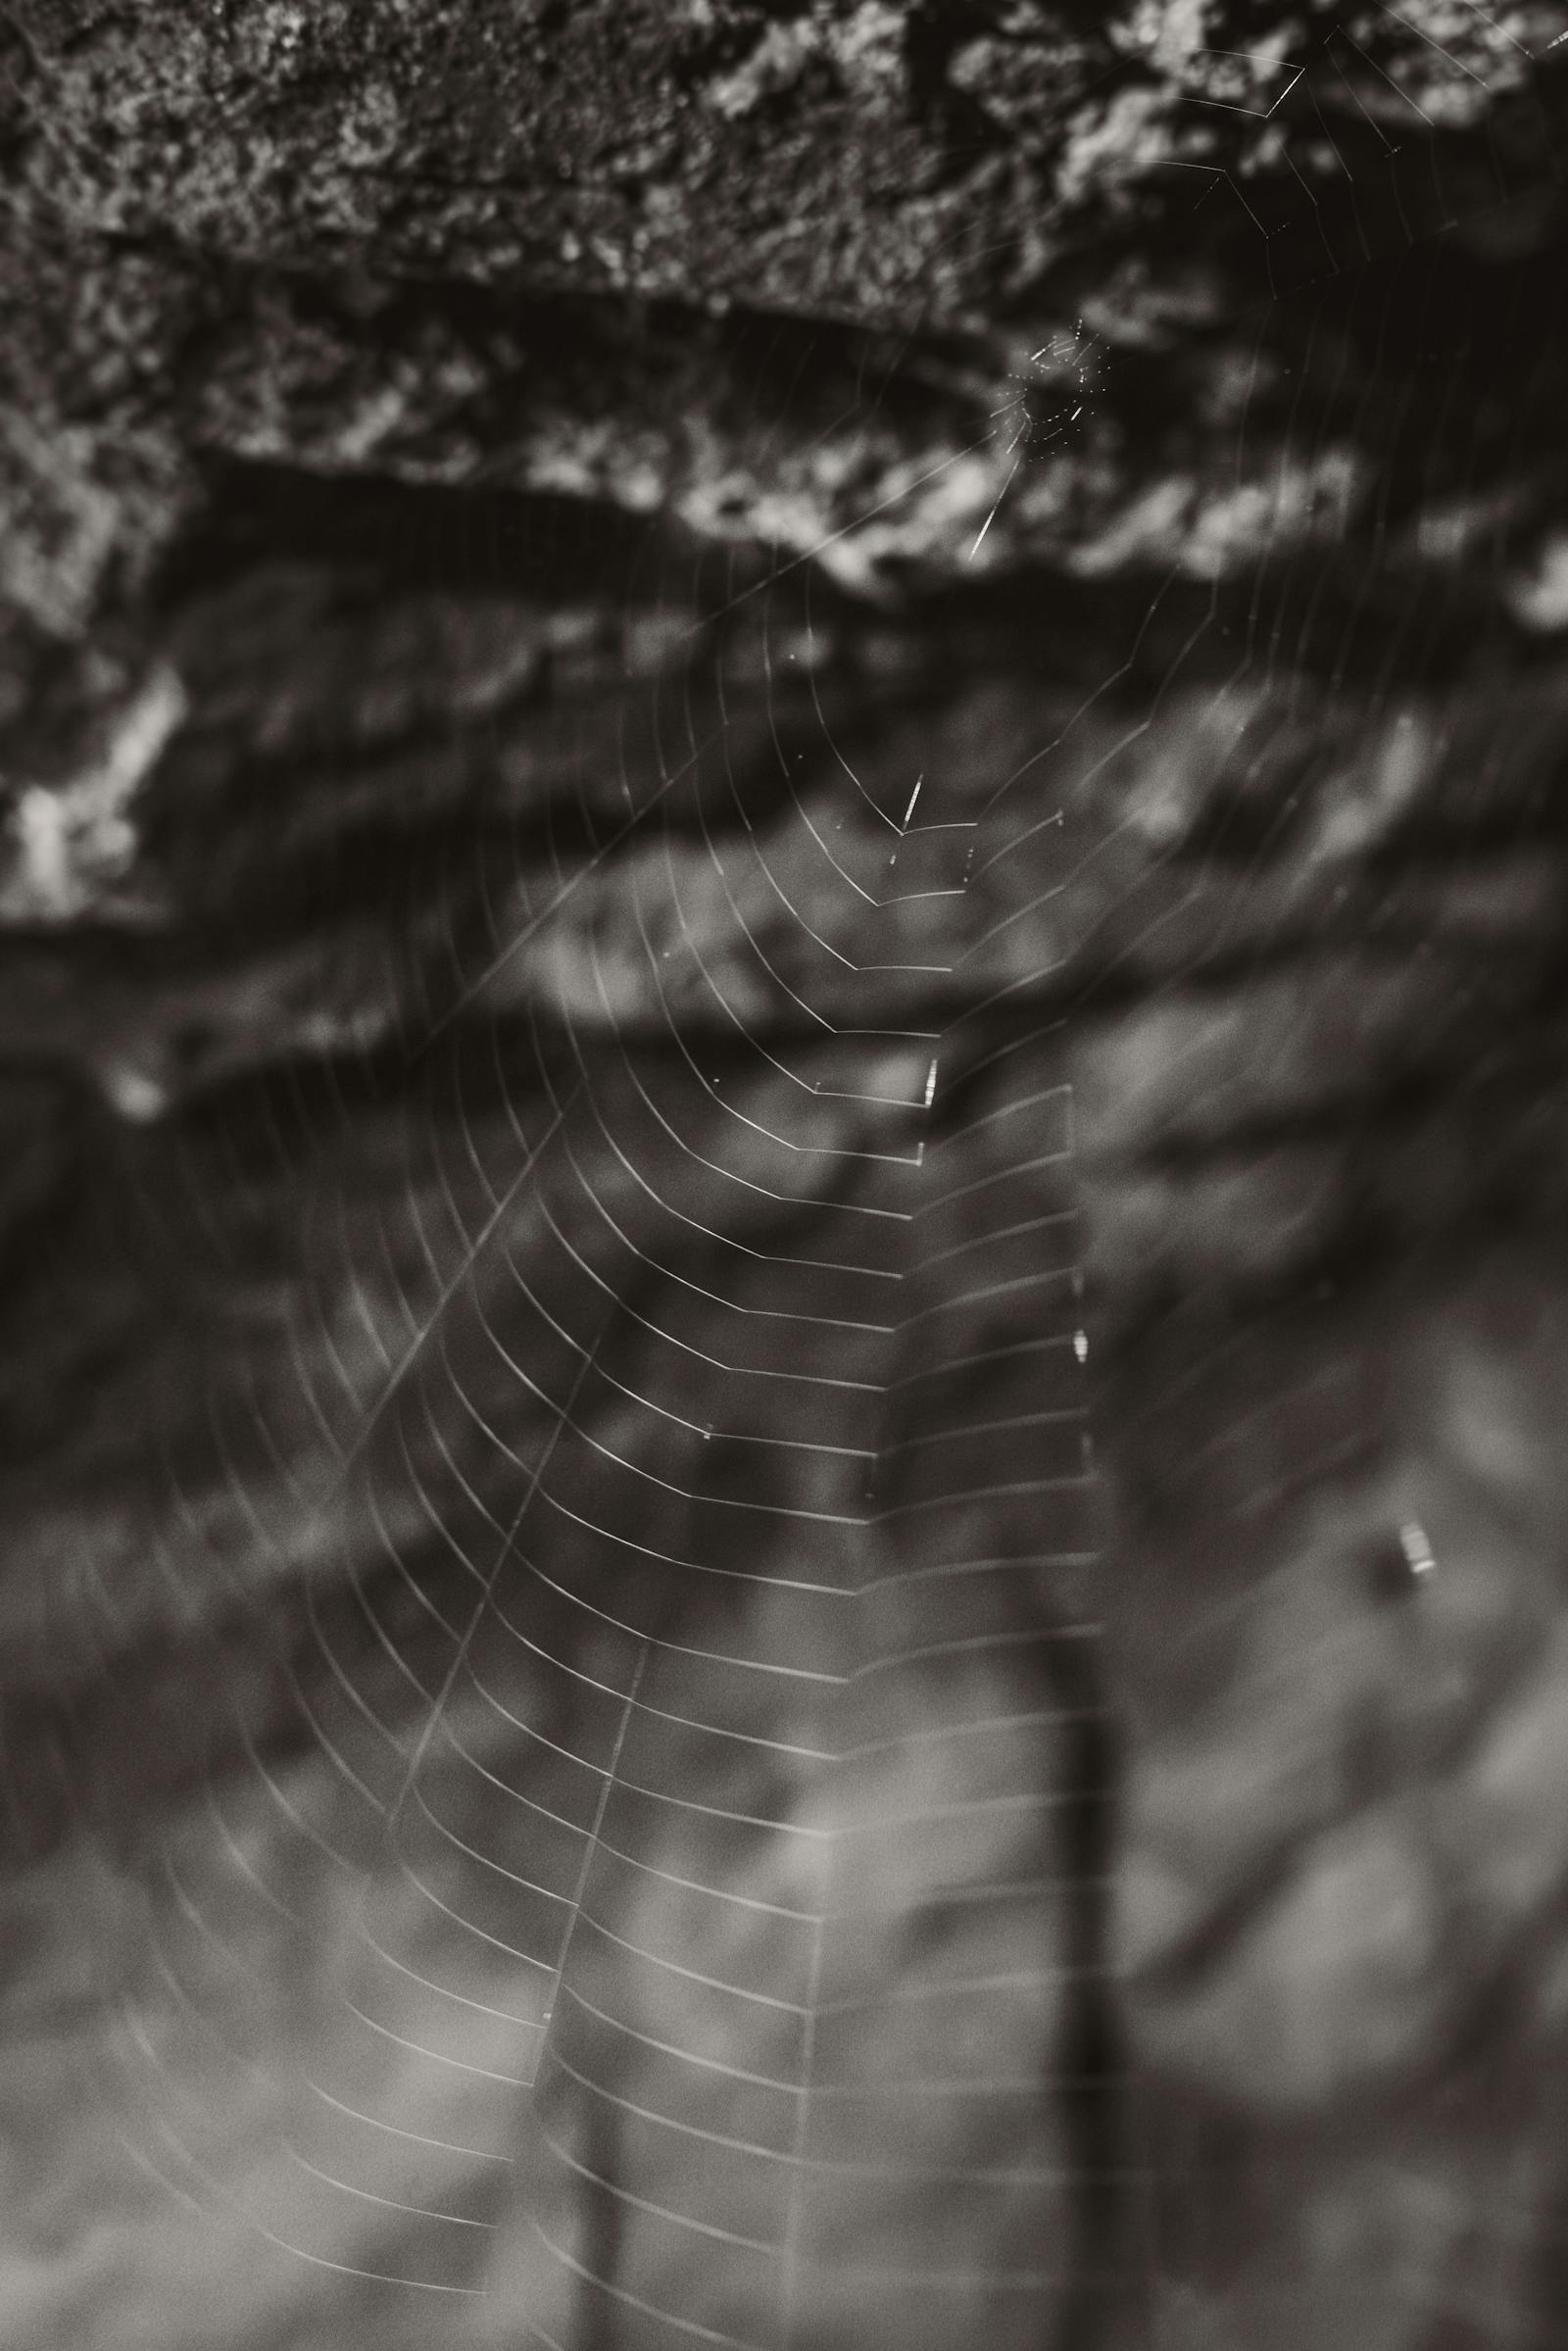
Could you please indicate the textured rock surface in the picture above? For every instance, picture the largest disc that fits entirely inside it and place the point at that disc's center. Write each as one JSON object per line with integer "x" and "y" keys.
{"x": 635, "y": 643}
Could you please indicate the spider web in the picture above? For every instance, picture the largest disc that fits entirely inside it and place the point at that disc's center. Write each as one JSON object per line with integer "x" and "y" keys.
{"x": 693, "y": 1580}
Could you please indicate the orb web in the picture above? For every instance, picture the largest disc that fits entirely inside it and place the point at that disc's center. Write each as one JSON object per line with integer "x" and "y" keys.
{"x": 647, "y": 1812}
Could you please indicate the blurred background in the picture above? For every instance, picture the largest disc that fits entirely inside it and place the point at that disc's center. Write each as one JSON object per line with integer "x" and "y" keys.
{"x": 782, "y": 1297}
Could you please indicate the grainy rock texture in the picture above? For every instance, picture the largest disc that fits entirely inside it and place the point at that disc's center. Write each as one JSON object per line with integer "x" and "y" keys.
{"x": 781, "y": 958}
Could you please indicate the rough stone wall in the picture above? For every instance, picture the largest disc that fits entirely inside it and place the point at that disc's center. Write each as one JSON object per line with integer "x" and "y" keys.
{"x": 503, "y": 510}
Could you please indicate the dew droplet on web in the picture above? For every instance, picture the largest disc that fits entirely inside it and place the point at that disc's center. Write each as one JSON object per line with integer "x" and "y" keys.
{"x": 1416, "y": 1549}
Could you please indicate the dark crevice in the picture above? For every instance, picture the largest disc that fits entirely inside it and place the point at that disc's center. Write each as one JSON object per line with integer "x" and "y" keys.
{"x": 1106, "y": 2281}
